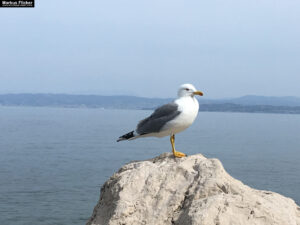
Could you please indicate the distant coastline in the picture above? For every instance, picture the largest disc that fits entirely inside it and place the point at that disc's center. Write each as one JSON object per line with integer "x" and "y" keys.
{"x": 249, "y": 104}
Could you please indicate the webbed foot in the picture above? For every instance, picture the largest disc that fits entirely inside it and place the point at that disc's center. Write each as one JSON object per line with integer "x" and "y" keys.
{"x": 179, "y": 154}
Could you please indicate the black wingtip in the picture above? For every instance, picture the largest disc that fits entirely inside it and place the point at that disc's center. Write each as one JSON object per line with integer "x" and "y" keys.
{"x": 126, "y": 136}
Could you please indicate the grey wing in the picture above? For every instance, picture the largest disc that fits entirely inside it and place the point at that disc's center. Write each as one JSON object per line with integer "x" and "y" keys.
{"x": 158, "y": 119}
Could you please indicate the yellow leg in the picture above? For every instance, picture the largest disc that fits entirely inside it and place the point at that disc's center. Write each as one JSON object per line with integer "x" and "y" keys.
{"x": 175, "y": 153}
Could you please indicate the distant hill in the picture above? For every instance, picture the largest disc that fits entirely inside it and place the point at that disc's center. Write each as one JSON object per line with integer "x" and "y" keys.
{"x": 91, "y": 101}
{"x": 229, "y": 107}
{"x": 250, "y": 103}
{"x": 264, "y": 100}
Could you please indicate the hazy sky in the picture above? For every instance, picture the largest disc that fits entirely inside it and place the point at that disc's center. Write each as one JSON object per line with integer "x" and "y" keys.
{"x": 148, "y": 48}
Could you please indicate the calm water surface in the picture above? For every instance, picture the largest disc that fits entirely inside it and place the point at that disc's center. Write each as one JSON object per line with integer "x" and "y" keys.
{"x": 53, "y": 161}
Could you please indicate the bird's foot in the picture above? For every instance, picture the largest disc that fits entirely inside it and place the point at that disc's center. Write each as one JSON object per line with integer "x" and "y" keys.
{"x": 179, "y": 154}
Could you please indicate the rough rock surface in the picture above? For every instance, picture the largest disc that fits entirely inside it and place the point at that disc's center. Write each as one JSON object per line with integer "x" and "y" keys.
{"x": 187, "y": 191}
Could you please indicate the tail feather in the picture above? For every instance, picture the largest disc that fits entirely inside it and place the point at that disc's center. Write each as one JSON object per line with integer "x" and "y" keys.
{"x": 126, "y": 136}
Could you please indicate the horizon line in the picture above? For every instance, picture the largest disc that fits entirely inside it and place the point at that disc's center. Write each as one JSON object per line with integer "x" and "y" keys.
{"x": 125, "y": 95}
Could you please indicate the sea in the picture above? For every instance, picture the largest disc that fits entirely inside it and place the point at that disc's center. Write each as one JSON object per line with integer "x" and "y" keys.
{"x": 53, "y": 161}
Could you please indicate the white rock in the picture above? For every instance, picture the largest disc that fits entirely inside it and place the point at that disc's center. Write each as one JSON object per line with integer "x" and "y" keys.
{"x": 187, "y": 191}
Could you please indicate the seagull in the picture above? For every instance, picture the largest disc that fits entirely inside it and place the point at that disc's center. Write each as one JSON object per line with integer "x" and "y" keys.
{"x": 169, "y": 119}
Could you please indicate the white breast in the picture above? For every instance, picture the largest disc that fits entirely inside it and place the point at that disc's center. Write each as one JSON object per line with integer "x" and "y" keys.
{"x": 188, "y": 106}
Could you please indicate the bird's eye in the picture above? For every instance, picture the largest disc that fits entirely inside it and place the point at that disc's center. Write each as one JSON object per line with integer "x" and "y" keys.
{"x": 187, "y": 89}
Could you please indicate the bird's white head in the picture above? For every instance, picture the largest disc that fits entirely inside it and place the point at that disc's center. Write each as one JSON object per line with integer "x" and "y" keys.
{"x": 188, "y": 90}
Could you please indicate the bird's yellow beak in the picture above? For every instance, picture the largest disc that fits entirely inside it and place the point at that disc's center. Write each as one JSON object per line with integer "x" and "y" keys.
{"x": 198, "y": 93}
